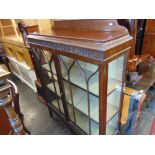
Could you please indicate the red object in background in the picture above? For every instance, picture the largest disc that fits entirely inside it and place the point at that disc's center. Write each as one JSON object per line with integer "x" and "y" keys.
{"x": 152, "y": 130}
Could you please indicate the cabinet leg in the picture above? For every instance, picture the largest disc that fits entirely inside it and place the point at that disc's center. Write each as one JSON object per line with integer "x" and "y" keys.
{"x": 50, "y": 112}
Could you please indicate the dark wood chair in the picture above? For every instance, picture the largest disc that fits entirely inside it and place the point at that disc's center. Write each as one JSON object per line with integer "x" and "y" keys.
{"x": 16, "y": 104}
{"x": 9, "y": 106}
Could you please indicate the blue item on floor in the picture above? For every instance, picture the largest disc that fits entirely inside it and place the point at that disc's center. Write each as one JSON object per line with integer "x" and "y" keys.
{"x": 131, "y": 123}
{"x": 134, "y": 100}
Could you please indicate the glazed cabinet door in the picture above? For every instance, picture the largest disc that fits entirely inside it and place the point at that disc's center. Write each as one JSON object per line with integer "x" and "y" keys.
{"x": 46, "y": 70}
{"x": 81, "y": 86}
{"x": 72, "y": 89}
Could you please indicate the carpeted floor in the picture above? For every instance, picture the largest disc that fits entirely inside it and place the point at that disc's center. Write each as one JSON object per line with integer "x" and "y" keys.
{"x": 36, "y": 115}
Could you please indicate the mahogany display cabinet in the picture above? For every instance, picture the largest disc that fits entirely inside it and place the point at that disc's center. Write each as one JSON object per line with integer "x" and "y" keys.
{"x": 81, "y": 66}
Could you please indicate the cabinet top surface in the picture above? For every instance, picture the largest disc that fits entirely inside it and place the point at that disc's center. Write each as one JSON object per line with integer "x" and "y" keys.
{"x": 83, "y": 32}
{"x": 90, "y": 39}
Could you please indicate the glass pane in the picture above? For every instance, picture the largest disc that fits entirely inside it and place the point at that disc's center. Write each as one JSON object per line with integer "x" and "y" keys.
{"x": 115, "y": 73}
{"x": 50, "y": 78}
{"x": 57, "y": 103}
{"x": 81, "y": 90}
{"x": 82, "y": 121}
{"x": 76, "y": 70}
{"x": 112, "y": 126}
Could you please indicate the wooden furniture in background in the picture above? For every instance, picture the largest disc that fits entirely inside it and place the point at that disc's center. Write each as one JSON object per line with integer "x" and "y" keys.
{"x": 149, "y": 38}
{"x": 85, "y": 61}
{"x": 141, "y": 61}
{"x": 8, "y": 27}
{"x": 25, "y": 30}
{"x": 131, "y": 25}
{"x": 3, "y": 57}
{"x": 11, "y": 120}
{"x": 20, "y": 61}
{"x": 19, "y": 57}
{"x": 131, "y": 111}
{"x": 126, "y": 102}
{"x": 6, "y": 100}
{"x": 43, "y": 24}
{"x": 6, "y": 103}
{"x": 5, "y": 128}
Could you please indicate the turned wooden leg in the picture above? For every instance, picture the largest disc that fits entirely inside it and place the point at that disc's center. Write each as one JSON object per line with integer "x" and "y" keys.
{"x": 15, "y": 93}
{"x": 15, "y": 122}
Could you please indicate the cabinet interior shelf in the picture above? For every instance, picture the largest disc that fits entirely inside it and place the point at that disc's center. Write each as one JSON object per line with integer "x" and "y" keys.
{"x": 80, "y": 101}
{"x": 47, "y": 67}
{"x": 78, "y": 80}
{"x": 82, "y": 120}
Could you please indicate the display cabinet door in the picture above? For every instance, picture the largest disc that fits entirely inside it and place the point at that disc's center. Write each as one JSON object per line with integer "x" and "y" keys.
{"x": 47, "y": 74}
{"x": 80, "y": 80}
{"x": 116, "y": 71}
